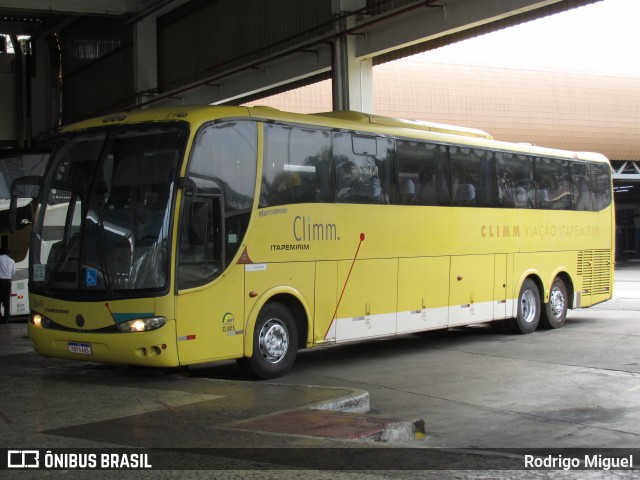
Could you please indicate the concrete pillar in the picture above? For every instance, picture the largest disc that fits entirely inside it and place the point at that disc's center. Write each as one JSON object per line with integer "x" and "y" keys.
{"x": 20, "y": 77}
{"x": 145, "y": 58}
{"x": 352, "y": 77}
{"x": 45, "y": 90}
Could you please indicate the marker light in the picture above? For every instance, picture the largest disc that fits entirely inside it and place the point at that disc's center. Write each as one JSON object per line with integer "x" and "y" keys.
{"x": 142, "y": 324}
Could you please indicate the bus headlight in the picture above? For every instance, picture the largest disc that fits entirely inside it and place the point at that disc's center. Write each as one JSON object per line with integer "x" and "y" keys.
{"x": 40, "y": 321}
{"x": 142, "y": 324}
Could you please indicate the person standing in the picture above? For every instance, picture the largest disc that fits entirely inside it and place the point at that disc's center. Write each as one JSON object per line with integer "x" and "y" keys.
{"x": 7, "y": 270}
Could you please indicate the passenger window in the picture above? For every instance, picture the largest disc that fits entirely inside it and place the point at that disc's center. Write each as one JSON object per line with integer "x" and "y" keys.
{"x": 489, "y": 184}
{"x": 423, "y": 175}
{"x": 297, "y": 167}
{"x": 516, "y": 188}
{"x": 467, "y": 185}
{"x": 227, "y": 153}
{"x": 583, "y": 190}
{"x": 362, "y": 176}
{"x": 600, "y": 175}
{"x": 553, "y": 184}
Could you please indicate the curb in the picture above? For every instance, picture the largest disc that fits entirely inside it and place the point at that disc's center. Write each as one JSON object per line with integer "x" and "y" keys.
{"x": 357, "y": 402}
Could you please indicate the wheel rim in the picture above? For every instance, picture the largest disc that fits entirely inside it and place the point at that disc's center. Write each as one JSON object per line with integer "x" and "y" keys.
{"x": 273, "y": 341}
{"x": 528, "y": 306}
{"x": 557, "y": 302}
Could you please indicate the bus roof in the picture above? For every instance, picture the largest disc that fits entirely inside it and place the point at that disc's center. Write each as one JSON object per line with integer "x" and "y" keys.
{"x": 410, "y": 124}
{"x": 198, "y": 115}
{"x": 177, "y": 113}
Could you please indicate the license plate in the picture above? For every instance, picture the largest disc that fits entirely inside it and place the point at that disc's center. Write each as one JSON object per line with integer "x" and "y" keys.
{"x": 82, "y": 348}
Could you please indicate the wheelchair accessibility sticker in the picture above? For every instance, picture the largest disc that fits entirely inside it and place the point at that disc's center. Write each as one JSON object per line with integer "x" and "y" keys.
{"x": 91, "y": 277}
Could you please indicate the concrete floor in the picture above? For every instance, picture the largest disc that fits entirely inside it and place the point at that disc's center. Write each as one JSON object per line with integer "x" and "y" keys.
{"x": 578, "y": 386}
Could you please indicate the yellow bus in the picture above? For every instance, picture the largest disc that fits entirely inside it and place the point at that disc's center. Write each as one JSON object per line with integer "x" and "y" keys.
{"x": 181, "y": 236}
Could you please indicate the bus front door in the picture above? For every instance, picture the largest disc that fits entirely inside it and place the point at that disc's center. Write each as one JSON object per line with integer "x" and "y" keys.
{"x": 210, "y": 320}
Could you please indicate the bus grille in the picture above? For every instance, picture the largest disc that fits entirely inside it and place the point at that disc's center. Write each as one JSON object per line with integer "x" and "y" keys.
{"x": 595, "y": 268}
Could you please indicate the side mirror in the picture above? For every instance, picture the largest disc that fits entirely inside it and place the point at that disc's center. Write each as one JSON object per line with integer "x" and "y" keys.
{"x": 23, "y": 187}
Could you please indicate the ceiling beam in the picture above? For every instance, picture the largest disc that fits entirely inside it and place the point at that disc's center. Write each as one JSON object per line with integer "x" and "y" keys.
{"x": 80, "y": 7}
{"x": 424, "y": 21}
{"x": 626, "y": 170}
{"x": 250, "y": 79}
{"x": 413, "y": 23}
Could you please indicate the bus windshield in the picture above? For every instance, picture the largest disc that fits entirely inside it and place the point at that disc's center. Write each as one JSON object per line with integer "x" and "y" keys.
{"x": 104, "y": 221}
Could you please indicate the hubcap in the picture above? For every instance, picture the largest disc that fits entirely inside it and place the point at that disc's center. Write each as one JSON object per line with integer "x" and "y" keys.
{"x": 273, "y": 341}
{"x": 557, "y": 301}
{"x": 528, "y": 306}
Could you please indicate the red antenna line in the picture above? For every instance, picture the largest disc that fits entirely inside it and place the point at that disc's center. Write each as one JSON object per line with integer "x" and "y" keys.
{"x": 335, "y": 312}
{"x": 110, "y": 312}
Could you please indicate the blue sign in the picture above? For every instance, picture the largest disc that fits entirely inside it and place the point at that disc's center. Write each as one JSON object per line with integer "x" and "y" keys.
{"x": 91, "y": 277}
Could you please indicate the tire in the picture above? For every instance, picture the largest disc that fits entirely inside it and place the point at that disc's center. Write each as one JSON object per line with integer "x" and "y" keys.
{"x": 554, "y": 313}
{"x": 275, "y": 343}
{"x": 528, "y": 309}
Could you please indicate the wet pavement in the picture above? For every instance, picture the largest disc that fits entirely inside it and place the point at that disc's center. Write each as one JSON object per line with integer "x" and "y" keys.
{"x": 210, "y": 423}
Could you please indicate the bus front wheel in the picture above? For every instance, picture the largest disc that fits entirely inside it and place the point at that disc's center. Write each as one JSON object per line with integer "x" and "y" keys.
{"x": 528, "y": 309}
{"x": 555, "y": 312}
{"x": 275, "y": 343}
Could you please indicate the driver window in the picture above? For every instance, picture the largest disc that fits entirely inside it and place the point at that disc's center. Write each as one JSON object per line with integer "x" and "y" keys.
{"x": 200, "y": 246}
{"x": 215, "y": 216}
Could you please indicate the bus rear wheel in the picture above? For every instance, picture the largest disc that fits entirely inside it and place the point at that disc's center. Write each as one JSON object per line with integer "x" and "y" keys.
{"x": 555, "y": 311}
{"x": 528, "y": 309}
{"x": 275, "y": 343}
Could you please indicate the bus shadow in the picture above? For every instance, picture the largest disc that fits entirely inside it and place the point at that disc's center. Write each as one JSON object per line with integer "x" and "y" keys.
{"x": 365, "y": 350}
{"x": 377, "y": 350}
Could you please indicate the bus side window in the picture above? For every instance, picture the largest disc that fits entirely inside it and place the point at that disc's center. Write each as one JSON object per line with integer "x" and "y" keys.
{"x": 488, "y": 173}
{"x": 516, "y": 188}
{"x": 324, "y": 177}
{"x": 292, "y": 158}
{"x": 443, "y": 174}
{"x": 466, "y": 176}
{"x": 361, "y": 175}
{"x": 386, "y": 161}
{"x": 423, "y": 173}
{"x": 600, "y": 176}
{"x": 417, "y": 173}
{"x": 583, "y": 192}
{"x": 553, "y": 184}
